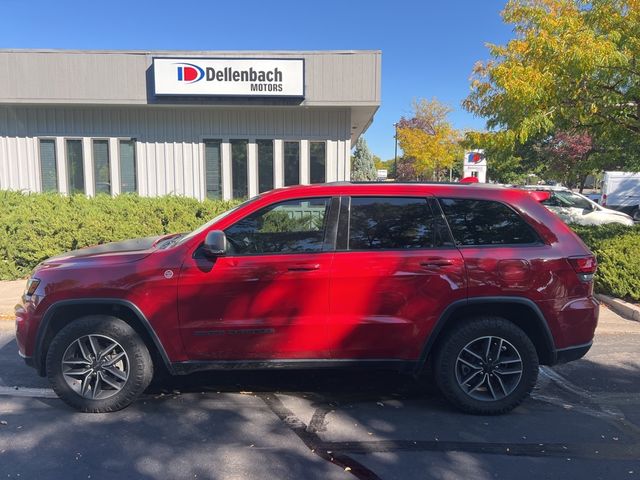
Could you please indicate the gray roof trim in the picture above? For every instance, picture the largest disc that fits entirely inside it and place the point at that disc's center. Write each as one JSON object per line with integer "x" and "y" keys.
{"x": 191, "y": 52}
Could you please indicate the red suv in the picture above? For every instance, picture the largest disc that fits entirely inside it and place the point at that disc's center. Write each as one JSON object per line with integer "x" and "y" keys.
{"x": 481, "y": 284}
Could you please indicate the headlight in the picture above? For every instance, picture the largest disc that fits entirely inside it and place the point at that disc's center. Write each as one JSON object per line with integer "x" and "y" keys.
{"x": 32, "y": 285}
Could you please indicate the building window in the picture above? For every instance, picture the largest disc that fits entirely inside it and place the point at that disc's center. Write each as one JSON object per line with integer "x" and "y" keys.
{"x": 291, "y": 163}
{"x": 213, "y": 168}
{"x": 128, "y": 170}
{"x": 239, "y": 168}
{"x": 265, "y": 165}
{"x": 75, "y": 166}
{"x": 48, "y": 165}
{"x": 101, "y": 168}
{"x": 317, "y": 162}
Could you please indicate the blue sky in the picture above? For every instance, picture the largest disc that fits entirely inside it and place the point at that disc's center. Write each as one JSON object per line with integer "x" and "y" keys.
{"x": 428, "y": 47}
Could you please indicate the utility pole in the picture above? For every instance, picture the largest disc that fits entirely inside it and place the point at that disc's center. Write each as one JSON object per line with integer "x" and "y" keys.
{"x": 395, "y": 161}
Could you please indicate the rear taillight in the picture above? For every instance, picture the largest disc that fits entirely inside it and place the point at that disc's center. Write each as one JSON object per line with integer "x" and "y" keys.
{"x": 603, "y": 199}
{"x": 585, "y": 266}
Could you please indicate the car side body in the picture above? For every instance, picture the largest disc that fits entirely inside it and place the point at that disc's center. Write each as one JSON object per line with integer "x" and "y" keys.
{"x": 333, "y": 302}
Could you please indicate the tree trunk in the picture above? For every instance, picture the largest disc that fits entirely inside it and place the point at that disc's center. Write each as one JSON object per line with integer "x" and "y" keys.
{"x": 583, "y": 179}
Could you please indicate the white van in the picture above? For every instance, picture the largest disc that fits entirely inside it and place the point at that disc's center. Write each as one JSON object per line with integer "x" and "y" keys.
{"x": 621, "y": 191}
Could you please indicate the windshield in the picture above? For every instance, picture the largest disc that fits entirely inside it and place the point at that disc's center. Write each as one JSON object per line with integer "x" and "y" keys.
{"x": 207, "y": 225}
{"x": 567, "y": 199}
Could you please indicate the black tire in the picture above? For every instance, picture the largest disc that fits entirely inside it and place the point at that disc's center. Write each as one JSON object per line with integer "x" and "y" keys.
{"x": 635, "y": 214}
{"x": 502, "y": 394}
{"x": 139, "y": 366}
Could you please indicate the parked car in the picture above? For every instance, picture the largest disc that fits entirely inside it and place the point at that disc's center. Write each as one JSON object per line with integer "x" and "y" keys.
{"x": 573, "y": 207}
{"x": 621, "y": 191}
{"x": 479, "y": 283}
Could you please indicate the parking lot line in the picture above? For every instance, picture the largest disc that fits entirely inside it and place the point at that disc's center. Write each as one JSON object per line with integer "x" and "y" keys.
{"x": 27, "y": 392}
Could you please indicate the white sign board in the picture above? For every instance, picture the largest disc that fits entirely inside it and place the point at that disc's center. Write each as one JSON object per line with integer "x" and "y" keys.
{"x": 475, "y": 165}
{"x": 246, "y": 77}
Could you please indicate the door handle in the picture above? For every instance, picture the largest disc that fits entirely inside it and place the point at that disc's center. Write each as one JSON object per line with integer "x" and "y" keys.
{"x": 436, "y": 262}
{"x": 303, "y": 267}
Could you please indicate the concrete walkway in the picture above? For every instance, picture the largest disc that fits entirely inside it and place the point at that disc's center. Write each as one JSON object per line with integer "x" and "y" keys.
{"x": 10, "y": 293}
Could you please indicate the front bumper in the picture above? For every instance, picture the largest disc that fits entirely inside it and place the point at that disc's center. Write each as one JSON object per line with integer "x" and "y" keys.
{"x": 28, "y": 360}
{"x": 570, "y": 354}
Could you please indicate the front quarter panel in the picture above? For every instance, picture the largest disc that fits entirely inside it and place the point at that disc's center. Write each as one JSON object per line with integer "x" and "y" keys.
{"x": 150, "y": 284}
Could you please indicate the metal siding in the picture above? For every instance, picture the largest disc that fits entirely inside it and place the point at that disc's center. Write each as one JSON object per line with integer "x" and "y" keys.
{"x": 168, "y": 139}
{"x": 67, "y": 77}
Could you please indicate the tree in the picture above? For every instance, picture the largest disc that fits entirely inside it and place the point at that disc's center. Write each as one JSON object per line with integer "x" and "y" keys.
{"x": 362, "y": 167}
{"x": 566, "y": 156}
{"x": 428, "y": 140}
{"x": 572, "y": 67}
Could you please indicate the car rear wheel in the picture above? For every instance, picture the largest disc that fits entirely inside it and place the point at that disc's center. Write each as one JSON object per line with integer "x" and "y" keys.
{"x": 636, "y": 214}
{"x": 488, "y": 366}
{"x": 98, "y": 364}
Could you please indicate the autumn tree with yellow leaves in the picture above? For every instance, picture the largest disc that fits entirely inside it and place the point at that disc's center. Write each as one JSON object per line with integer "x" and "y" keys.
{"x": 573, "y": 70}
{"x": 430, "y": 143}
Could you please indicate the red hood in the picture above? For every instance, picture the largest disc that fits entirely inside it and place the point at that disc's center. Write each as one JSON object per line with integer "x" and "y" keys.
{"x": 115, "y": 252}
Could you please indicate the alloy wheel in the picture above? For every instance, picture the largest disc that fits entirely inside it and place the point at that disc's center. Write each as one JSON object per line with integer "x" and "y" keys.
{"x": 488, "y": 368}
{"x": 96, "y": 367}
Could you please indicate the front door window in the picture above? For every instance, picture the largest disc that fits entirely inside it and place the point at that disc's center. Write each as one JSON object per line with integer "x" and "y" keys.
{"x": 294, "y": 226}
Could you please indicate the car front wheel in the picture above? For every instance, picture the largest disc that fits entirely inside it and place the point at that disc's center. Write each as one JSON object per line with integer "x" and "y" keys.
{"x": 487, "y": 366}
{"x": 98, "y": 364}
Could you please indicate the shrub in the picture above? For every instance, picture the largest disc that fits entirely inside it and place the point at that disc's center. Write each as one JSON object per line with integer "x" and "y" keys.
{"x": 617, "y": 249}
{"x": 34, "y": 227}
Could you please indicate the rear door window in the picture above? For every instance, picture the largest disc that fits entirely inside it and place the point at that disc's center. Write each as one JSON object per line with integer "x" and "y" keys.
{"x": 486, "y": 222}
{"x": 392, "y": 223}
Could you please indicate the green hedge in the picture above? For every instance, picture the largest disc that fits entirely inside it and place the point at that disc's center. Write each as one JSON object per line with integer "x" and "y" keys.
{"x": 37, "y": 226}
{"x": 618, "y": 251}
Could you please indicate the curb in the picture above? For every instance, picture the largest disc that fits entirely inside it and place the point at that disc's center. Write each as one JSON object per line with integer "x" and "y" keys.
{"x": 622, "y": 308}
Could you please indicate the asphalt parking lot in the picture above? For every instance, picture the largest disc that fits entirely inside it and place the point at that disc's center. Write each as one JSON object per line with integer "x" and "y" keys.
{"x": 583, "y": 421}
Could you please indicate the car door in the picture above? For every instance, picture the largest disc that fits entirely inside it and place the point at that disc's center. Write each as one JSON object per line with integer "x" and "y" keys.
{"x": 395, "y": 270}
{"x": 267, "y": 297}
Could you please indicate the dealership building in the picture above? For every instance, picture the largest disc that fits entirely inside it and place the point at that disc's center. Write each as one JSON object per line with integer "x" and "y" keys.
{"x": 199, "y": 124}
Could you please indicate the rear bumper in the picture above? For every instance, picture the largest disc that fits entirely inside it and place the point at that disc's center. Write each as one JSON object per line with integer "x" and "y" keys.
{"x": 570, "y": 354}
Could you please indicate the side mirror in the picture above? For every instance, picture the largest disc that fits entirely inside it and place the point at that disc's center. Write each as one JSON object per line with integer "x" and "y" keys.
{"x": 215, "y": 243}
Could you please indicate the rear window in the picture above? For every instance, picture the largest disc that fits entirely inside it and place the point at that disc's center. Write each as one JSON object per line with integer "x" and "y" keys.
{"x": 485, "y": 222}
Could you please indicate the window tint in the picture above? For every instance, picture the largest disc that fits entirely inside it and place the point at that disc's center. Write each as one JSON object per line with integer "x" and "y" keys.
{"x": 294, "y": 226}
{"x": 48, "y": 165}
{"x": 484, "y": 222}
{"x": 291, "y": 163}
{"x": 239, "y": 168}
{"x": 128, "y": 166}
{"x": 213, "y": 168}
{"x": 101, "y": 170}
{"x": 265, "y": 165}
{"x": 317, "y": 162}
{"x": 391, "y": 223}
{"x": 75, "y": 166}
